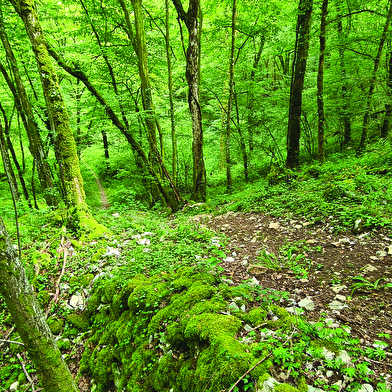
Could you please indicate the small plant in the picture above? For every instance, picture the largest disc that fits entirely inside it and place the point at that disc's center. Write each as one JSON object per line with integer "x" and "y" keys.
{"x": 366, "y": 284}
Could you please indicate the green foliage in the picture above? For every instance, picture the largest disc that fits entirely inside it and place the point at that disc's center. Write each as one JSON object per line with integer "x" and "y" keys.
{"x": 363, "y": 283}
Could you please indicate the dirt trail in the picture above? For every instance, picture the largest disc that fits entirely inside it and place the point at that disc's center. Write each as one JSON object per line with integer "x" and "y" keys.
{"x": 103, "y": 197}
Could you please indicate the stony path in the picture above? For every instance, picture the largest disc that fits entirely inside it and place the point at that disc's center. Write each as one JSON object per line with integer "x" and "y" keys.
{"x": 103, "y": 197}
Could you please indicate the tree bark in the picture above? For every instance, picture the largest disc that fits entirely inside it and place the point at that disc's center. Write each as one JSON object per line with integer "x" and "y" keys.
{"x": 388, "y": 106}
{"x": 9, "y": 171}
{"x": 320, "y": 83}
{"x": 297, "y": 81}
{"x": 30, "y": 321}
{"x": 65, "y": 145}
{"x": 362, "y": 142}
{"x": 173, "y": 199}
{"x": 344, "y": 112}
{"x": 170, "y": 88}
{"x": 24, "y": 107}
{"x": 199, "y": 191}
{"x": 229, "y": 180}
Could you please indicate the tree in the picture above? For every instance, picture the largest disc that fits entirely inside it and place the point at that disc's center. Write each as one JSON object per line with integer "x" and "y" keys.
{"x": 297, "y": 81}
{"x": 65, "y": 146}
{"x": 190, "y": 18}
{"x": 30, "y": 321}
{"x": 320, "y": 83}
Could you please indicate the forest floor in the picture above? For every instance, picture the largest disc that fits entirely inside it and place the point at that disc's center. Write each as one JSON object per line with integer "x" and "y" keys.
{"x": 313, "y": 263}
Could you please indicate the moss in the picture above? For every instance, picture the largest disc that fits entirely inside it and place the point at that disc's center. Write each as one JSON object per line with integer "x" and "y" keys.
{"x": 166, "y": 373}
{"x": 86, "y": 279}
{"x": 97, "y": 255}
{"x": 79, "y": 321}
{"x": 285, "y": 388}
{"x": 73, "y": 281}
{"x": 93, "y": 302}
{"x": 55, "y": 325}
{"x": 302, "y": 386}
{"x": 63, "y": 344}
{"x": 109, "y": 292}
{"x": 255, "y": 316}
{"x": 147, "y": 296}
{"x": 286, "y": 320}
{"x": 44, "y": 298}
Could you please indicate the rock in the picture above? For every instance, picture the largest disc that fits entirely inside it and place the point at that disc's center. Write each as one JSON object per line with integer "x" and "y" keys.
{"x": 234, "y": 254}
{"x": 366, "y": 388}
{"x": 329, "y": 373}
{"x": 340, "y": 297}
{"x": 146, "y": 250}
{"x": 112, "y": 252}
{"x": 306, "y": 304}
{"x": 147, "y": 233}
{"x": 358, "y": 226}
{"x": 336, "y": 288}
{"x": 248, "y": 328}
{"x": 116, "y": 215}
{"x": 374, "y": 258}
{"x": 336, "y": 244}
{"x": 76, "y": 301}
{"x": 136, "y": 236}
{"x": 329, "y": 355}
{"x": 14, "y": 386}
{"x": 274, "y": 225}
{"x": 345, "y": 358}
{"x": 268, "y": 385}
{"x": 390, "y": 250}
{"x": 257, "y": 269}
{"x": 336, "y": 305}
{"x": 64, "y": 286}
{"x": 314, "y": 389}
{"x": 369, "y": 268}
{"x": 229, "y": 259}
{"x": 311, "y": 241}
{"x": 254, "y": 282}
{"x": 298, "y": 227}
{"x": 294, "y": 310}
{"x": 144, "y": 241}
{"x": 234, "y": 305}
{"x": 381, "y": 253}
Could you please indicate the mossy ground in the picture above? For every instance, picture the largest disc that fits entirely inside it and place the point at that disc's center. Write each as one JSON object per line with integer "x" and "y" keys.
{"x": 173, "y": 332}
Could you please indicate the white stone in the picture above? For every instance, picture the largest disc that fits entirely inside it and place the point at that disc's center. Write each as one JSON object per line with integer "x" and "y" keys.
{"x": 366, "y": 388}
{"x": 144, "y": 241}
{"x": 343, "y": 355}
{"x": 294, "y": 310}
{"x": 314, "y": 389}
{"x": 338, "y": 287}
{"x": 340, "y": 297}
{"x": 381, "y": 253}
{"x": 390, "y": 250}
{"x": 336, "y": 305}
{"x": 112, "y": 252}
{"x": 306, "y": 304}
{"x": 76, "y": 301}
{"x": 369, "y": 268}
{"x": 274, "y": 225}
{"x": 116, "y": 215}
{"x": 254, "y": 281}
{"x": 14, "y": 386}
{"x": 268, "y": 385}
{"x": 229, "y": 259}
{"x": 328, "y": 354}
{"x": 136, "y": 236}
{"x": 146, "y": 250}
{"x": 147, "y": 233}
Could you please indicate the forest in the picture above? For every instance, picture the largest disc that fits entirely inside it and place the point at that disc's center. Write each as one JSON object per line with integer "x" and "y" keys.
{"x": 195, "y": 195}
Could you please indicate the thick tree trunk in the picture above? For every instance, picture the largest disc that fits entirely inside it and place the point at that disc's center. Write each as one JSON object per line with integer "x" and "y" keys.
{"x": 30, "y": 321}
{"x": 7, "y": 165}
{"x": 297, "y": 81}
{"x": 199, "y": 191}
{"x": 372, "y": 86}
{"x": 65, "y": 145}
{"x": 320, "y": 83}
{"x": 24, "y": 107}
{"x": 229, "y": 180}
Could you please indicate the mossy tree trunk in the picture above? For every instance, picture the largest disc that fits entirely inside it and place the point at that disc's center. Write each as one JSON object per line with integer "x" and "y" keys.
{"x": 65, "y": 145}
{"x": 297, "y": 81}
{"x": 25, "y": 109}
{"x": 320, "y": 83}
{"x": 9, "y": 171}
{"x": 30, "y": 322}
{"x": 372, "y": 84}
{"x": 190, "y": 18}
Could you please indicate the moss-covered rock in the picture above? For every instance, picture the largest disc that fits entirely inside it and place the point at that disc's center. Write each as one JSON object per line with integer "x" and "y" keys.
{"x": 55, "y": 325}
{"x": 79, "y": 321}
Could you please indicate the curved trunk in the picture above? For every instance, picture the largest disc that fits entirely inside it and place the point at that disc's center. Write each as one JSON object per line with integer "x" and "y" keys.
{"x": 30, "y": 321}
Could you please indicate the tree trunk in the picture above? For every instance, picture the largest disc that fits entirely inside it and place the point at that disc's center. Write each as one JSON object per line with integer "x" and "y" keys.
{"x": 106, "y": 149}
{"x": 320, "y": 83}
{"x": 362, "y": 142}
{"x": 65, "y": 145}
{"x": 24, "y": 108}
{"x": 297, "y": 81}
{"x": 30, "y": 321}
{"x": 14, "y": 158}
{"x": 173, "y": 198}
{"x": 229, "y": 180}
{"x": 344, "y": 112}
{"x": 199, "y": 191}
{"x": 170, "y": 87}
{"x": 9, "y": 171}
{"x": 388, "y": 106}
